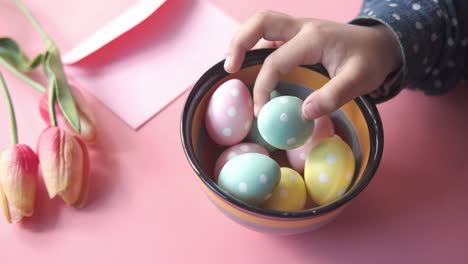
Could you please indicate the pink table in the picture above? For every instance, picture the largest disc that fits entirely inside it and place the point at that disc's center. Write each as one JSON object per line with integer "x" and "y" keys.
{"x": 146, "y": 205}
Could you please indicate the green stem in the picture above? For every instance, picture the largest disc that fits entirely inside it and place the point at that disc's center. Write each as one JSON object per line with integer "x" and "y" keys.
{"x": 6, "y": 93}
{"x": 53, "y": 117}
{"x": 23, "y": 76}
{"x": 34, "y": 23}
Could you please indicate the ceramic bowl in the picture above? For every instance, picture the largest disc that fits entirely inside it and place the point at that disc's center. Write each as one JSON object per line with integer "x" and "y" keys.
{"x": 358, "y": 123}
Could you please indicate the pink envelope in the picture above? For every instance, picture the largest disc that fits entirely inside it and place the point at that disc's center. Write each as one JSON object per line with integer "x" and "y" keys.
{"x": 72, "y": 24}
{"x": 141, "y": 72}
{"x": 134, "y": 56}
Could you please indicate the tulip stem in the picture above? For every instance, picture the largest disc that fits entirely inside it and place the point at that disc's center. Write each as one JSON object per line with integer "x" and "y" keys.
{"x": 22, "y": 76}
{"x": 48, "y": 41}
{"x": 53, "y": 117}
{"x": 6, "y": 93}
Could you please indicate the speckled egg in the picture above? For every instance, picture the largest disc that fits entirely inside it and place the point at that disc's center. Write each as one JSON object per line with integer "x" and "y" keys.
{"x": 229, "y": 113}
{"x": 281, "y": 124}
{"x": 250, "y": 177}
{"x": 329, "y": 170}
{"x": 255, "y": 137}
{"x": 274, "y": 94}
{"x": 323, "y": 128}
{"x": 290, "y": 194}
{"x": 234, "y": 151}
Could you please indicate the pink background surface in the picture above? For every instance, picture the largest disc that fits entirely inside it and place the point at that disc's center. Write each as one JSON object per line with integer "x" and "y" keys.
{"x": 146, "y": 206}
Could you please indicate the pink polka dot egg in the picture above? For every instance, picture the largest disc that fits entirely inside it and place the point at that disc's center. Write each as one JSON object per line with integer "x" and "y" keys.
{"x": 323, "y": 128}
{"x": 229, "y": 113}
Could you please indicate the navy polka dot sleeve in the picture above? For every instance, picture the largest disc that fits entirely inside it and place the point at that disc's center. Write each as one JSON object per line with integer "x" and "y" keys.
{"x": 433, "y": 37}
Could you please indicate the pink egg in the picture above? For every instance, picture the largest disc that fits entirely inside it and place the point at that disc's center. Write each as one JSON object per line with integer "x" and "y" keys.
{"x": 234, "y": 151}
{"x": 323, "y": 129}
{"x": 229, "y": 114}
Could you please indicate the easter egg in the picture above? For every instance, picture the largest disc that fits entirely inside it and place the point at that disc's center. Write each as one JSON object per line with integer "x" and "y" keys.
{"x": 250, "y": 177}
{"x": 234, "y": 151}
{"x": 274, "y": 94}
{"x": 229, "y": 113}
{"x": 290, "y": 194}
{"x": 281, "y": 125}
{"x": 323, "y": 128}
{"x": 255, "y": 137}
{"x": 329, "y": 170}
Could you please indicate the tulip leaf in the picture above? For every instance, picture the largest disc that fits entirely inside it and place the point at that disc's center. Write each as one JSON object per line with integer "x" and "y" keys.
{"x": 57, "y": 80}
{"x": 11, "y": 52}
{"x": 54, "y": 71}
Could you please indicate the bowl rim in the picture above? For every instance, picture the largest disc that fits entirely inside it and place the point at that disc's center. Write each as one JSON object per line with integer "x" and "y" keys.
{"x": 256, "y": 57}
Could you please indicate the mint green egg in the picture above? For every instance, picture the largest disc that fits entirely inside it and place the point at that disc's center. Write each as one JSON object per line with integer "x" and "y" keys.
{"x": 274, "y": 94}
{"x": 281, "y": 125}
{"x": 255, "y": 137}
{"x": 250, "y": 177}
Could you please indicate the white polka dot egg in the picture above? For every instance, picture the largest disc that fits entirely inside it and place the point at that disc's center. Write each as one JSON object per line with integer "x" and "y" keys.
{"x": 229, "y": 114}
{"x": 290, "y": 194}
{"x": 250, "y": 177}
{"x": 329, "y": 170}
{"x": 281, "y": 124}
{"x": 323, "y": 129}
{"x": 235, "y": 151}
{"x": 255, "y": 137}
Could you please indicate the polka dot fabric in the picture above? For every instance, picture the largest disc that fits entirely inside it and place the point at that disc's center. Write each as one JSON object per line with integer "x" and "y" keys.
{"x": 433, "y": 36}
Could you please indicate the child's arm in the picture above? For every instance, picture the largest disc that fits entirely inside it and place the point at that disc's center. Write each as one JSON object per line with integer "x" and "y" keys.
{"x": 433, "y": 36}
{"x": 388, "y": 52}
{"x": 358, "y": 58}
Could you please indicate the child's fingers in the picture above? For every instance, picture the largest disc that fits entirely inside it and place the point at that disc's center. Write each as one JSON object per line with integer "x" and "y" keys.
{"x": 268, "y": 25}
{"x": 265, "y": 44}
{"x": 299, "y": 50}
{"x": 348, "y": 84}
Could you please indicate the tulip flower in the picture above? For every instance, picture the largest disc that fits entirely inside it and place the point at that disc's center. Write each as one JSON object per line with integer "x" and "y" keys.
{"x": 18, "y": 171}
{"x": 88, "y": 127}
{"x": 63, "y": 157}
{"x": 65, "y": 165}
{"x": 18, "y": 180}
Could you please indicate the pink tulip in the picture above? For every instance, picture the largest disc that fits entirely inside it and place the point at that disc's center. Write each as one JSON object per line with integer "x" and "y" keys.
{"x": 65, "y": 165}
{"x": 18, "y": 180}
{"x": 88, "y": 126}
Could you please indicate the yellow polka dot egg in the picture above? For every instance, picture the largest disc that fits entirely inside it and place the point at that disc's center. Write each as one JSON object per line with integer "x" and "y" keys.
{"x": 290, "y": 194}
{"x": 329, "y": 170}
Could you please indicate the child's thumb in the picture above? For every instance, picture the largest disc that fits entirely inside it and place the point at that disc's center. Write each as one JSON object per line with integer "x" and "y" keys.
{"x": 341, "y": 89}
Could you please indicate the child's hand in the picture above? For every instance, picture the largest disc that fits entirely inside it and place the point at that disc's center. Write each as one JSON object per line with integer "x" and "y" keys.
{"x": 357, "y": 58}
